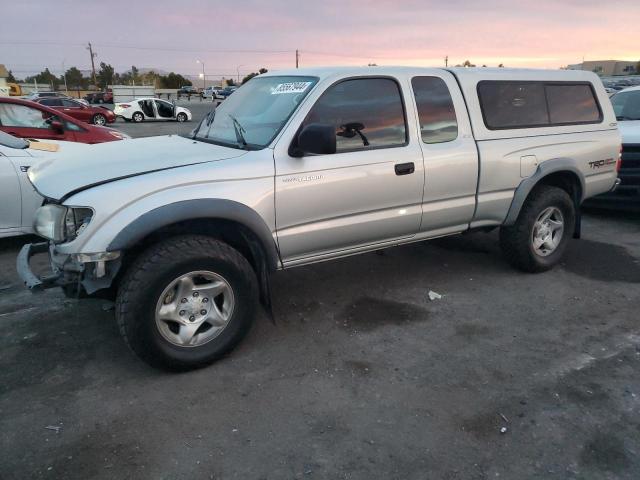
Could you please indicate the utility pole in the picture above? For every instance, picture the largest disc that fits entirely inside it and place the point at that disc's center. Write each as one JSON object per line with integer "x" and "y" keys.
{"x": 446, "y": 61}
{"x": 64, "y": 74}
{"x": 93, "y": 66}
{"x": 297, "y": 58}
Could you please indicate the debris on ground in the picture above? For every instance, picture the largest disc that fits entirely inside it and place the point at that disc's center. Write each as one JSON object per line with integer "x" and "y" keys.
{"x": 55, "y": 428}
{"x": 434, "y": 295}
{"x": 503, "y": 430}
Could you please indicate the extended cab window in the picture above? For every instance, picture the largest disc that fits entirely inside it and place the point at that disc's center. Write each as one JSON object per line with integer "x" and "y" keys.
{"x": 365, "y": 112}
{"x": 437, "y": 116}
{"x": 507, "y": 104}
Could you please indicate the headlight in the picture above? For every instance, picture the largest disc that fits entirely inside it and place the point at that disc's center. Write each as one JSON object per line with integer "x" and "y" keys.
{"x": 120, "y": 135}
{"x": 59, "y": 223}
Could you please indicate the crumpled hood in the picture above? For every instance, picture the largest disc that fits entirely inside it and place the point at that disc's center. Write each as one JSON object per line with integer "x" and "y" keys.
{"x": 105, "y": 162}
{"x": 630, "y": 131}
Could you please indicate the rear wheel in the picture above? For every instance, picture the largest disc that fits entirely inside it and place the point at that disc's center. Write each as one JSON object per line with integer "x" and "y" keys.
{"x": 181, "y": 117}
{"x": 186, "y": 302}
{"x": 99, "y": 119}
{"x": 539, "y": 237}
{"x": 137, "y": 117}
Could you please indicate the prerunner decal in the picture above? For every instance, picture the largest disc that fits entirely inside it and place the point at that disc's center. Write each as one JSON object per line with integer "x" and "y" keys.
{"x": 293, "y": 87}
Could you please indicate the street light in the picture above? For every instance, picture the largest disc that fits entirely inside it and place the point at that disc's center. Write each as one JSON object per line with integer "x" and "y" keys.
{"x": 238, "y": 71}
{"x": 202, "y": 75}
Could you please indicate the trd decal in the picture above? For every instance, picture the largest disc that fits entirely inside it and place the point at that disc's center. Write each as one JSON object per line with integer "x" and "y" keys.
{"x": 602, "y": 163}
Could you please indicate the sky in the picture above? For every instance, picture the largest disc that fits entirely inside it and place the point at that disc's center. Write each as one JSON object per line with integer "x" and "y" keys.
{"x": 243, "y": 35}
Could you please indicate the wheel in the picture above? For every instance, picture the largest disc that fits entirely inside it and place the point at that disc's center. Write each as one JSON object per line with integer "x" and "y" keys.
{"x": 539, "y": 237}
{"x": 186, "y": 302}
{"x": 137, "y": 117}
{"x": 181, "y": 117}
{"x": 99, "y": 119}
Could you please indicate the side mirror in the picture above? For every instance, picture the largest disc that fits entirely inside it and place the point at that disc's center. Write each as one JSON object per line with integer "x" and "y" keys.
{"x": 56, "y": 126}
{"x": 315, "y": 138}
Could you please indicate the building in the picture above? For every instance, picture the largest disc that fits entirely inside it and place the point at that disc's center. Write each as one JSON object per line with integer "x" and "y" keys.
{"x": 606, "y": 68}
{"x": 4, "y": 87}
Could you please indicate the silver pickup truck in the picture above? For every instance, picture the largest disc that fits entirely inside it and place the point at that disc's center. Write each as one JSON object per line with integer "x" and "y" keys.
{"x": 310, "y": 165}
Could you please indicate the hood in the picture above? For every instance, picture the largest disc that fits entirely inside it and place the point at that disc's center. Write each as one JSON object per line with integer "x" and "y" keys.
{"x": 101, "y": 163}
{"x": 630, "y": 131}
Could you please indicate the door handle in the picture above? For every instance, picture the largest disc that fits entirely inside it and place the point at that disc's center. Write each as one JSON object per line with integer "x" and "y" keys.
{"x": 405, "y": 168}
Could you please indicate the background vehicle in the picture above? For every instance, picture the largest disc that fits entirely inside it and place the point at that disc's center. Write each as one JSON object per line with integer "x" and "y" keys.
{"x": 211, "y": 92}
{"x": 79, "y": 111}
{"x": 38, "y": 95}
{"x": 225, "y": 92}
{"x": 188, "y": 90}
{"x": 142, "y": 109}
{"x": 26, "y": 119}
{"x": 18, "y": 198}
{"x": 315, "y": 164}
{"x": 99, "y": 97}
{"x": 626, "y": 105}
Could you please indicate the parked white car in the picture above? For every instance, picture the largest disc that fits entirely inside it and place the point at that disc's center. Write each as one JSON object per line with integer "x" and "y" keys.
{"x": 151, "y": 109}
{"x": 211, "y": 92}
{"x": 18, "y": 199}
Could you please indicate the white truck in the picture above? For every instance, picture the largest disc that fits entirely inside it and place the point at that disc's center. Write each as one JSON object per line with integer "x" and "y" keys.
{"x": 310, "y": 165}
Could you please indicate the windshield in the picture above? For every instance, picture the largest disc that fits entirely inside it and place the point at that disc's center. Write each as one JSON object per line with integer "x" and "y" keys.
{"x": 255, "y": 113}
{"x": 627, "y": 105}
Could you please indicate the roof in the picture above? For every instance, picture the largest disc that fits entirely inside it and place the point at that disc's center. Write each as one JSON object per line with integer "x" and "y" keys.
{"x": 471, "y": 74}
{"x": 3, "y": 71}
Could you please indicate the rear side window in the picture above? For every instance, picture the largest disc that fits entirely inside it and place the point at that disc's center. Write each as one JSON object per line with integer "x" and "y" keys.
{"x": 572, "y": 104}
{"x": 507, "y": 105}
{"x": 437, "y": 116}
{"x": 365, "y": 112}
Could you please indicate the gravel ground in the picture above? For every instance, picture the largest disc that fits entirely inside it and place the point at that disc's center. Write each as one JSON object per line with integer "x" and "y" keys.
{"x": 361, "y": 376}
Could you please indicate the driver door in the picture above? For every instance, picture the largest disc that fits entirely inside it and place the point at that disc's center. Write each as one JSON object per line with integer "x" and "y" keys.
{"x": 27, "y": 122}
{"x": 369, "y": 192}
{"x": 11, "y": 205}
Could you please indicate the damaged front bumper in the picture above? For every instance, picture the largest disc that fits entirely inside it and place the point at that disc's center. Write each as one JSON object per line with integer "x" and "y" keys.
{"x": 92, "y": 272}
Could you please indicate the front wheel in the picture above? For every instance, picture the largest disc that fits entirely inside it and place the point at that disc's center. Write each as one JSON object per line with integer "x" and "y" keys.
{"x": 186, "y": 302}
{"x": 539, "y": 237}
{"x": 99, "y": 119}
{"x": 181, "y": 117}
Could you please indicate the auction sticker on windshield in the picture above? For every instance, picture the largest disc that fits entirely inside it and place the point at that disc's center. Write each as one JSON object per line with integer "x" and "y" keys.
{"x": 292, "y": 87}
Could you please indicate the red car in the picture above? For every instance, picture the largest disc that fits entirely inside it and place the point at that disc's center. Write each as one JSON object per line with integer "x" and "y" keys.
{"x": 26, "y": 119}
{"x": 86, "y": 113}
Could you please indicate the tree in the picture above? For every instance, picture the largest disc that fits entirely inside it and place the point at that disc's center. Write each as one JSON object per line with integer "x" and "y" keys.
{"x": 11, "y": 78}
{"x": 45, "y": 77}
{"x": 637, "y": 68}
{"x": 254, "y": 74}
{"x": 230, "y": 82}
{"x": 106, "y": 75}
{"x": 75, "y": 79}
{"x": 501, "y": 66}
{"x": 174, "y": 80}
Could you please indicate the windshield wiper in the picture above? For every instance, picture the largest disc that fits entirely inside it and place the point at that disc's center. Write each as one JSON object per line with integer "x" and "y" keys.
{"x": 237, "y": 126}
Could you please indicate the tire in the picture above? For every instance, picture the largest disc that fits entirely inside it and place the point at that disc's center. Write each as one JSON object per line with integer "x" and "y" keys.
{"x": 137, "y": 117}
{"x": 181, "y": 117}
{"x": 148, "y": 281}
{"x": 518, "y": 241}
{"x": 99, "y": 119}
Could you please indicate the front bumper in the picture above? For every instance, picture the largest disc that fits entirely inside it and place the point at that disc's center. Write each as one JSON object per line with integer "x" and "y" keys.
{"x": 92, "y": 272}
{"x": 32, "y": 281}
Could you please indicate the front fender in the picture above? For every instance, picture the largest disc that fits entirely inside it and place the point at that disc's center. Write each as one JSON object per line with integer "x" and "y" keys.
{"x": 193, "y": 209}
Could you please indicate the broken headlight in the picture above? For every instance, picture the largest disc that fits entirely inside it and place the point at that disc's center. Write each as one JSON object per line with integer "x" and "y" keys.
{"x": 60, "y": 223}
